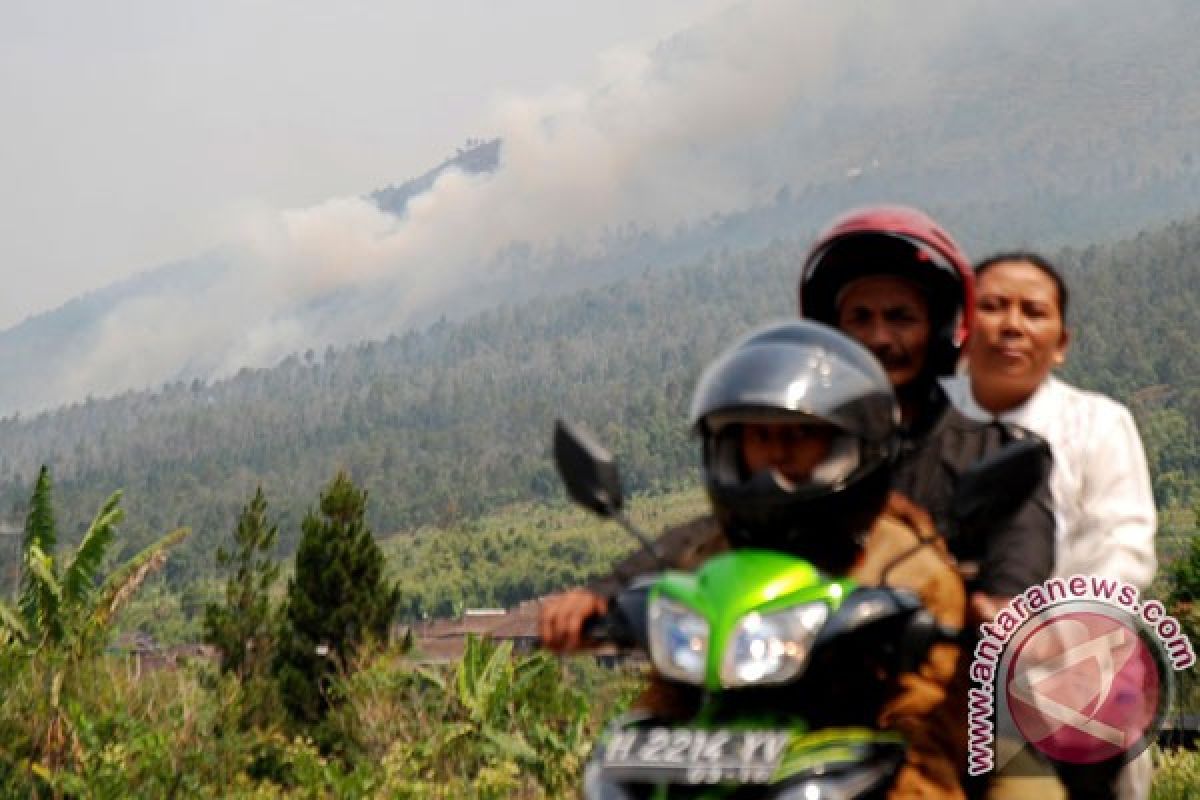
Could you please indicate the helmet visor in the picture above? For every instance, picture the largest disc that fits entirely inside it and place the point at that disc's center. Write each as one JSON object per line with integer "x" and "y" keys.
{"x": 792, "y": 456}
{"x": 846, "y": 390}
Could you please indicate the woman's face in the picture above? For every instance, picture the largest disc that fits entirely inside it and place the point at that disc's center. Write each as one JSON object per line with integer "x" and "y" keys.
{"x": 1017, "y": 337}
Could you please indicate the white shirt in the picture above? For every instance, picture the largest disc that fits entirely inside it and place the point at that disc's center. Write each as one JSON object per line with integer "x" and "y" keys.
{"x": 1103, "y": 504}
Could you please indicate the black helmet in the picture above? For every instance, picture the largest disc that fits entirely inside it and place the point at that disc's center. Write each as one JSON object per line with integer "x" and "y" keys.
{"x": 900, "y": 241}
{"x": 798, "y": 371}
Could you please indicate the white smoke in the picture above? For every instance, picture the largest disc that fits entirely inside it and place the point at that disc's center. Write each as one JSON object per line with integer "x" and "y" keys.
{"x": 709, "y": 121}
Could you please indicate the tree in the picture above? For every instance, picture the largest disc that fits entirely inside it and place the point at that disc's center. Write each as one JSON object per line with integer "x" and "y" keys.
{"x": 1183, "y": 594}
{"x": 1185, "y": 571}
{"x": 67, "y": 607}
{"x": 241, "y": 628}
{"x": 40, "y": 595}
{"x": 336, "y": 600}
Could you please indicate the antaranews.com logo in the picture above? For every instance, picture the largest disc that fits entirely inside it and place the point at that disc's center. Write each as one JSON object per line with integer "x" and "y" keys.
{"x": 1078, "y": 668}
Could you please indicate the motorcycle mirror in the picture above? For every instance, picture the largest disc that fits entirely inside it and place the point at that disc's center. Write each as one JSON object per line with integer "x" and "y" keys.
{"x": 587, "y": 469}
{"x": 994, "y": 487}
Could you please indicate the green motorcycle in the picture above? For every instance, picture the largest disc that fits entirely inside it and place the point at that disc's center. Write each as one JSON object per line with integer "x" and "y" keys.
{"x": 783, "y": 669}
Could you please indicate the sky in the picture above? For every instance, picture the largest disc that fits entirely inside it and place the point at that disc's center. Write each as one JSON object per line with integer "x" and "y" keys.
{"x": 142, "y": 132}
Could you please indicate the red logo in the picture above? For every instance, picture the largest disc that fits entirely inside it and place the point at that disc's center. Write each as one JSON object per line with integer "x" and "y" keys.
{"x": 1083, "y": 687}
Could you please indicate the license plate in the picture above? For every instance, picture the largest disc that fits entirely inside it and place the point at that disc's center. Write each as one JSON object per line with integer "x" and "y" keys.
{"x": 680, "y": 755}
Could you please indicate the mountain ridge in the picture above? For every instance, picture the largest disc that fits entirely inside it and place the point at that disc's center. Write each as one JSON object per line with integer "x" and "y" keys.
{"x": 1075, "y": 133}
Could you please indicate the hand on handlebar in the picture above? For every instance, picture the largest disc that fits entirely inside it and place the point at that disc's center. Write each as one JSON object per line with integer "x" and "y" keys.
{"x": 562, "y": 616}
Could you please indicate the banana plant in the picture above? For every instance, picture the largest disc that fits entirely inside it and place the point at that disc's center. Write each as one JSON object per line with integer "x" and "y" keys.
{"x": 55, "y": 605}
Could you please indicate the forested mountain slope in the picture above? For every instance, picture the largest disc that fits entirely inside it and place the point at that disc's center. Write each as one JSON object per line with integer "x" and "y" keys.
{"x": 455, "y": 420}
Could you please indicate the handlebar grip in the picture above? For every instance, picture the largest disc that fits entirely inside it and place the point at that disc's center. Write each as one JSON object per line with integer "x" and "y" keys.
{"x": 607, "y": 628}
{"x": 595, "y": 628}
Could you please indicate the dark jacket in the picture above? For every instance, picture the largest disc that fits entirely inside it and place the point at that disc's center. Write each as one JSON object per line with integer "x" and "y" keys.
{"x": 1009, "y": 555}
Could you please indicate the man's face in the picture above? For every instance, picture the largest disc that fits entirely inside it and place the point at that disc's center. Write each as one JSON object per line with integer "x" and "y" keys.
{"x": 889, "y": 316}
{"x": 793, "y": 449}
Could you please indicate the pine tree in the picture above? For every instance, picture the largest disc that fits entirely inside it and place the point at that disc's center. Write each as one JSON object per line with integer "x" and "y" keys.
{"x": 336, "y": 600}
{"x": 241, "y": 628}
{"x": 39, "y": 602}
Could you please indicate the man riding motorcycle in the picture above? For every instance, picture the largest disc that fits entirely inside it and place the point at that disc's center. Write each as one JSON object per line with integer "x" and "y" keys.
{"x": 892, "y": 278}
{"x": 799, "y": 429}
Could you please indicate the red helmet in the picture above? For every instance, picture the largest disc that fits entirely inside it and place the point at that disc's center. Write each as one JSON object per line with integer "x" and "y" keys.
{"x": 894, "y": 240}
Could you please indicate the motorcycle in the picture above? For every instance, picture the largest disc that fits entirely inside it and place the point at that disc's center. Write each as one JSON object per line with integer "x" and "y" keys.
{"x": 781, "y": 667}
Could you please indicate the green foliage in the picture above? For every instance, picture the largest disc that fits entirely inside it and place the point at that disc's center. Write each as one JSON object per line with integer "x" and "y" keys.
{"x": 1178, "y": 586}
{"x": 1176, "y": 775}
{"x": 337, "y": 600}
{"x": 40, "y": 595}
{"x": 84, "y": 726}
{"x": 69, "y": 609}
{"x": 241, "y": 628}
{"x": 79, "y": 578}
{"x": 1184, "y": 571}
{"x": 519, "y": 552}
{"x": 12, "y": 626}
{"x": 123, "y": 583}
{"x": 160, "y": 613}
{"x": 1171, "y": 442}
{"x": 493, "y": 725}
{"x": 41, "y": 600}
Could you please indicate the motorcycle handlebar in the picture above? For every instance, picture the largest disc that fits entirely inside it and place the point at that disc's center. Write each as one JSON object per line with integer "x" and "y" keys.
{"x": 607, "y": 628}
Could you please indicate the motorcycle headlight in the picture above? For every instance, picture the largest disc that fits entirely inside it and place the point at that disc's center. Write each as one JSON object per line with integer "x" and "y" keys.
{"x": 678, "y": 640}
{"x": 771, "y": 648}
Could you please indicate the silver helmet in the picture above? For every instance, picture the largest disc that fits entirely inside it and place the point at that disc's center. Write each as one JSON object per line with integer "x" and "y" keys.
{"x": 789, "y": 372}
